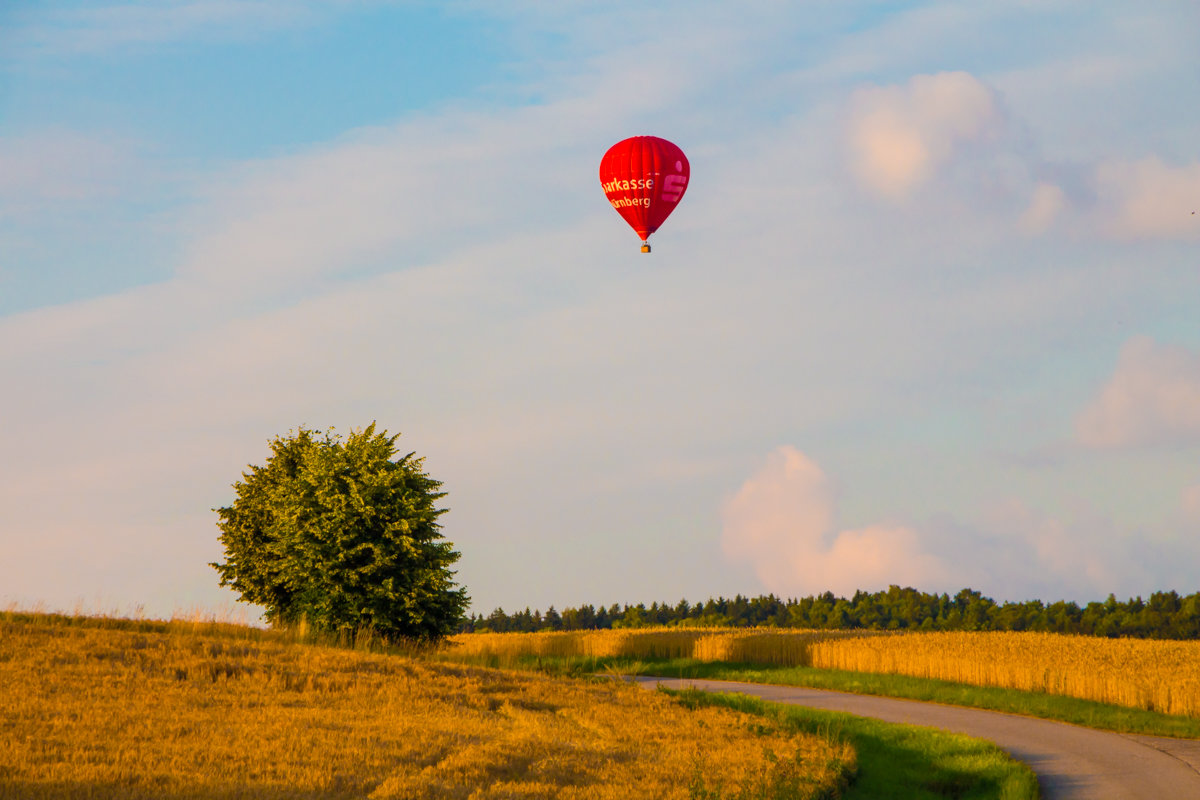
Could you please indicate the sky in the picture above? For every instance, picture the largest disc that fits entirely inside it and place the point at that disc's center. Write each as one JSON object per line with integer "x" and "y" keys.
{"x": 927, "y": 315}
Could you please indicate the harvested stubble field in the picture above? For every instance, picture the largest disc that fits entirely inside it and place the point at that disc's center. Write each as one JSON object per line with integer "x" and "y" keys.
{"x": 1153, "y": 675}
{"x": 133, "y": 709}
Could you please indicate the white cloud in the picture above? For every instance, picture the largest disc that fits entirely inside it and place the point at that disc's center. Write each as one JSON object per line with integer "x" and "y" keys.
{"x": 1047, "y": 202}
{"x": 1153, "y": 397}
{"x": 1149, "y": 199}
{"x": 781, "y": 521}
{"x": 1189, "y": 502}
{"x": 1114, "y": 199}
{"x": 899, "y": 135}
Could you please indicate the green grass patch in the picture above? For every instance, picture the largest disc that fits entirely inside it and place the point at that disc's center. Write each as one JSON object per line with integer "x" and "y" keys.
{"x": 903, "y": 762}
{"x": 1103, "y": 716}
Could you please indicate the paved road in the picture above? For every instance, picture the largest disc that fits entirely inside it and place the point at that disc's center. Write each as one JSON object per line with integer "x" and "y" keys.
{"x": 1072, "y": 763}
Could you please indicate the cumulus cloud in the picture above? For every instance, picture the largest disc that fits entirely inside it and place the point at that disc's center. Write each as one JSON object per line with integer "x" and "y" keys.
{"x": 902, "y": 137}
{"x": 1153, "y": 397}
{"x": 1189, "y": 502}
{"x": 1046, "y": 203}
{"x": 781, "y": 521}
{"x": 1149, "y": 199}
{"x": 899, "y": 135}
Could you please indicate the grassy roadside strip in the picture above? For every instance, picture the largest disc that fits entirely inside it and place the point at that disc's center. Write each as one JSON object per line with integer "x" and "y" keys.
{"x": 1090, "y": 714}
{"x": 900, "y": 762}
{"x": 1087, "y": 713}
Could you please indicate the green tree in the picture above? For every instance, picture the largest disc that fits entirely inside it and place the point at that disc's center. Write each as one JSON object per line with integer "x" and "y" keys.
{"x": 343, "y": 535}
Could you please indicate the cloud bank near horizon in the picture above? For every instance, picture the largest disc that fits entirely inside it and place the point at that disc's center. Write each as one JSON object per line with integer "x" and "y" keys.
{"x": 782, "y": 520}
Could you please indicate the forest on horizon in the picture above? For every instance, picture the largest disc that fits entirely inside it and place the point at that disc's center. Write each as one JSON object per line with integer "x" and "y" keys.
{"x": 1164, "y": 615}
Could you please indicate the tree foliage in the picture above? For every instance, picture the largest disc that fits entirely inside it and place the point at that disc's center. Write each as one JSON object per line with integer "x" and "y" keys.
{"x": 343, "y": 535}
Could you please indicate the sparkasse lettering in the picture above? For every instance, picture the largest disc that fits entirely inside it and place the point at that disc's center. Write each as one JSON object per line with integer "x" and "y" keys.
{"x": 626, "y": 186}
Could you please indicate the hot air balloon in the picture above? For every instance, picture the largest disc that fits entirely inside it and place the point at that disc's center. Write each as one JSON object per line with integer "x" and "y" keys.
{"x": 644, "y": 178}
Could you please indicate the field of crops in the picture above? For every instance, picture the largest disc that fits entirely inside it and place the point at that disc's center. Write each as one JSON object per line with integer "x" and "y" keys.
{"x": 1149, "y": 674}
{"x": 760, "y": 646}
{"x": 120, "y": 709}
{"x": 1139, "y": 673}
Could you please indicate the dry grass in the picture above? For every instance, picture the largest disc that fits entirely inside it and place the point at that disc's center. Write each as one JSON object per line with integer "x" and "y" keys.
{"x": 1153, "y": 675}
{"x": 95, "y": 709}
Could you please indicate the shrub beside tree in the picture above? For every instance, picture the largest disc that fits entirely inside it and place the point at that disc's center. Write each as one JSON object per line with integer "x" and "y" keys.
{"x": 344, "y": 535}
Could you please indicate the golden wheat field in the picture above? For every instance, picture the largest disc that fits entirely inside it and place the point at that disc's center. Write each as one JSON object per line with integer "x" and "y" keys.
{"x": 1139, "y": 673}
{"x": 785, "y": 648}
{"x": 95, "y": 709}
{"x": 1149, "y": 674}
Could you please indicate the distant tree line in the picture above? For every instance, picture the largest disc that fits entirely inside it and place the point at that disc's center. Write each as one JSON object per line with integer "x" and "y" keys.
{"x": 1165, "y": 615}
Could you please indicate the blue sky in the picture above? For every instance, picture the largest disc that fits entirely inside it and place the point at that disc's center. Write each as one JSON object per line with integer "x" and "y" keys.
{"x": 926, "y": 316}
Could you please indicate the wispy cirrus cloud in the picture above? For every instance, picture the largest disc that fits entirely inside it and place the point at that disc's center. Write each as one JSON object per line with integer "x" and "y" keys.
{"x": 118, "y": 26}
{"x": 62, "y": 167}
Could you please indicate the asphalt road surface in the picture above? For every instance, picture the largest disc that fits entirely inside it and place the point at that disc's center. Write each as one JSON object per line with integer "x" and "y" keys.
{"x": 1071, "y": 762}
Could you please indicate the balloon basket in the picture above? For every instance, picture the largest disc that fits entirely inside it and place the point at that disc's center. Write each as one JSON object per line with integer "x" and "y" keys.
{"x": 645, "y": 247}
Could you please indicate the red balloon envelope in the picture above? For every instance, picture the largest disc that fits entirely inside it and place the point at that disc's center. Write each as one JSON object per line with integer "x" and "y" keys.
{"x": 644, "y": 178}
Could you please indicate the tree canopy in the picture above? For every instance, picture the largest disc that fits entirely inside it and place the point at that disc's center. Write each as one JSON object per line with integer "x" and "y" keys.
{"x": 344, "y": 535}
